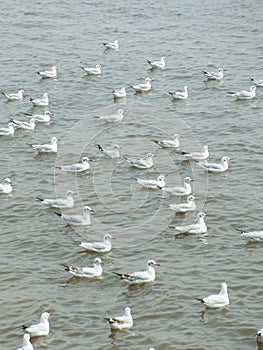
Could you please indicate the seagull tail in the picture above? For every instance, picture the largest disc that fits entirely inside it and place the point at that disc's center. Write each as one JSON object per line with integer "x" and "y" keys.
{"x": 241, "y": 231}
{"x": 58, "y": 214}
{"x": 100, "y": 148}
{"x": 171, "y": 93}
{"x": 39, "y": 199}
{"x": 66, "y": 267}
{"x": 204, "y": 72}
{"x": 118, "y": 274}
{"x": 200, "y": 299}
{"x": 24, "y": 327}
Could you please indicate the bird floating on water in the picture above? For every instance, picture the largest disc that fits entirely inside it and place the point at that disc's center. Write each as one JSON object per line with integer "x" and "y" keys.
{"x": 190, "y": 205}
{"x": 76, "y": 219}
{"x": 38, "y": 102}
{"x": 214, "y": 75}
{"x": 244, "y": 94}
{"x": 6, "y": 186}
{"x": 119, "y": 93}
{"x": 121, "y": 322}
{"x": 40, "y": 329}
{"x": 216, "y": 167}
{"x": 26, "y": 344}
{"x": 152, "y": 184}
{"x": 46, "y": 148}
{"x": 256, "y": 236}
{"x": 93, "y": 70}
{"x": 217, "y": 300}
{"x": 144, "y": 87}
{"x": 60, "y": 203}
{"x": 99, "y": 247}
{"x": 112, "y": 118}
{"x": 141, "y": 163}
{"x": 157, "y": 64}
{"x": 184, "y": 190}
{"x": 174, "y": 142}
{"x": 87, "y": 272}
{"x": 197, "y": 156}
{"x": 180, "y": 95}
{"x": 10, "y": 130}
{"x": 198, "y": 227}
{"x": 110, "y": 153}
{"x": 14, "y": 96}
{"x": 40, "y": 118}
{"x": 140, "y": 276}
{"x": 112, "y": 45}
{"x": 49, "y": 73}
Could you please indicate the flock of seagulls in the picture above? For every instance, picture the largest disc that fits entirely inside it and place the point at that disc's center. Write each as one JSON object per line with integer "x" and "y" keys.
{"x": 84, "y": 219}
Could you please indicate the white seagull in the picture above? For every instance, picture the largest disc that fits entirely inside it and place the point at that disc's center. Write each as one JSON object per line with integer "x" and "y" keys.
{"x": 26, "y": 344}
{"x": 10, "y": 130}
{"x": 252, "y": 235}
{"x": 60, "y": 203}
{"x": 180, "y": 95}
{"x": 260, "y": 336}
{"x": 215, "y": 75}
{"x": 119, "y": 93}
{"x": 121, "y": 322}
{"x": 93, "y": 70}
{"x": 217, "y": 300}
{"x": 146, "y": 86}
{"x": 112, "y": 118}
{"x": 157, "y": 64}
{"x": 184, "y": 190}
{"x": 140, "y": 276}
{"x": 141, "y": 163}
{"x": 87, "y": 272}
{"x": 197, "y": 156}
{"x": 46, "y": 148}
{"x": 198, "y": 227}
{"x": 216, "y": 167}
{"x": 152, "y": 184}
{"x": 190, "y": 205}
{"x": 49, "y": 73}
{"x": 40, "y": 118}
{"x": 112, "y": 45}
{"x": 14, "y": 96}
{"x": 169, "y": 143}
{"x": 44, "y": 101}
{"x": 6, "y": 186}
{"x": 110, "y": 153}
{"x": 78, "y": 220}
{"x": 42, "y": 328}
{"x": 99, "y": 247}
{"x": 19, "y": 124}
{"x": 77, "y": 167}
{"x": 244, "y": 94}
{"x": 258, "y": 83}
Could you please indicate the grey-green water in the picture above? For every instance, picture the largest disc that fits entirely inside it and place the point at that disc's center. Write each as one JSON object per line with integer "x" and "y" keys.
{"x": 193, "y": 35}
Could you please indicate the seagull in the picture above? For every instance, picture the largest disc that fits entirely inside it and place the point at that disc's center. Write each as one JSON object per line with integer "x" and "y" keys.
{"x": 190, "y": 205}
{"x": 260, "y": 335}
{"x": 26, "y": 344}
{"x": 40, "y": 118}
{"x": 143, "y": 87}
{"x": 180, "y": 95}
{"x": 77, "y": 167}
{"x": 140, "y": 276}
{"x": 78, "y": 220}
{"x": 6, "y": 186}
{"x": 119, "y": 93}
{"x": 217, "y": 300}
{"x": 87, "y": 272}
{"x": 171, "y": 143}
{"x": 112, "y": 118}
{"x": 258, "y": 83}
{"x": 46, "y": 148}
{"x": 157, "y": 64}
{"x": 10, "y": 130}
{"x": 214, "y": 75}
{"x": 93, "y": 70}
{"x": 110, "y": 153}
{"x": 197, "y": 156}
{"x": 112, "y": 45}
{"x": 61, "y": 203}
{"x": 121, "y": 322}
{"x": 40, "y": 101}
{"x": 49, "y": 73}
{"x": 184, "y": 190}
{"x": 252, "y": 235}
{"x": 42, "y": 328}
{"x": 216, "y": 167}
{"x": 244, "y": 94}
{"x": 24, "y": 125}
{"x": 14, "y": 96}
{"x": 152, "y": 184}
{"x": 141, "y": 163}
{"x": 198, "y": 227}
{"x": 99, "y": 247}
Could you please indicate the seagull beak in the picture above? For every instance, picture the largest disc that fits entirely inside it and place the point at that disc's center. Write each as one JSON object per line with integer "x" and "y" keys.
{"x": 157, "y": 264}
